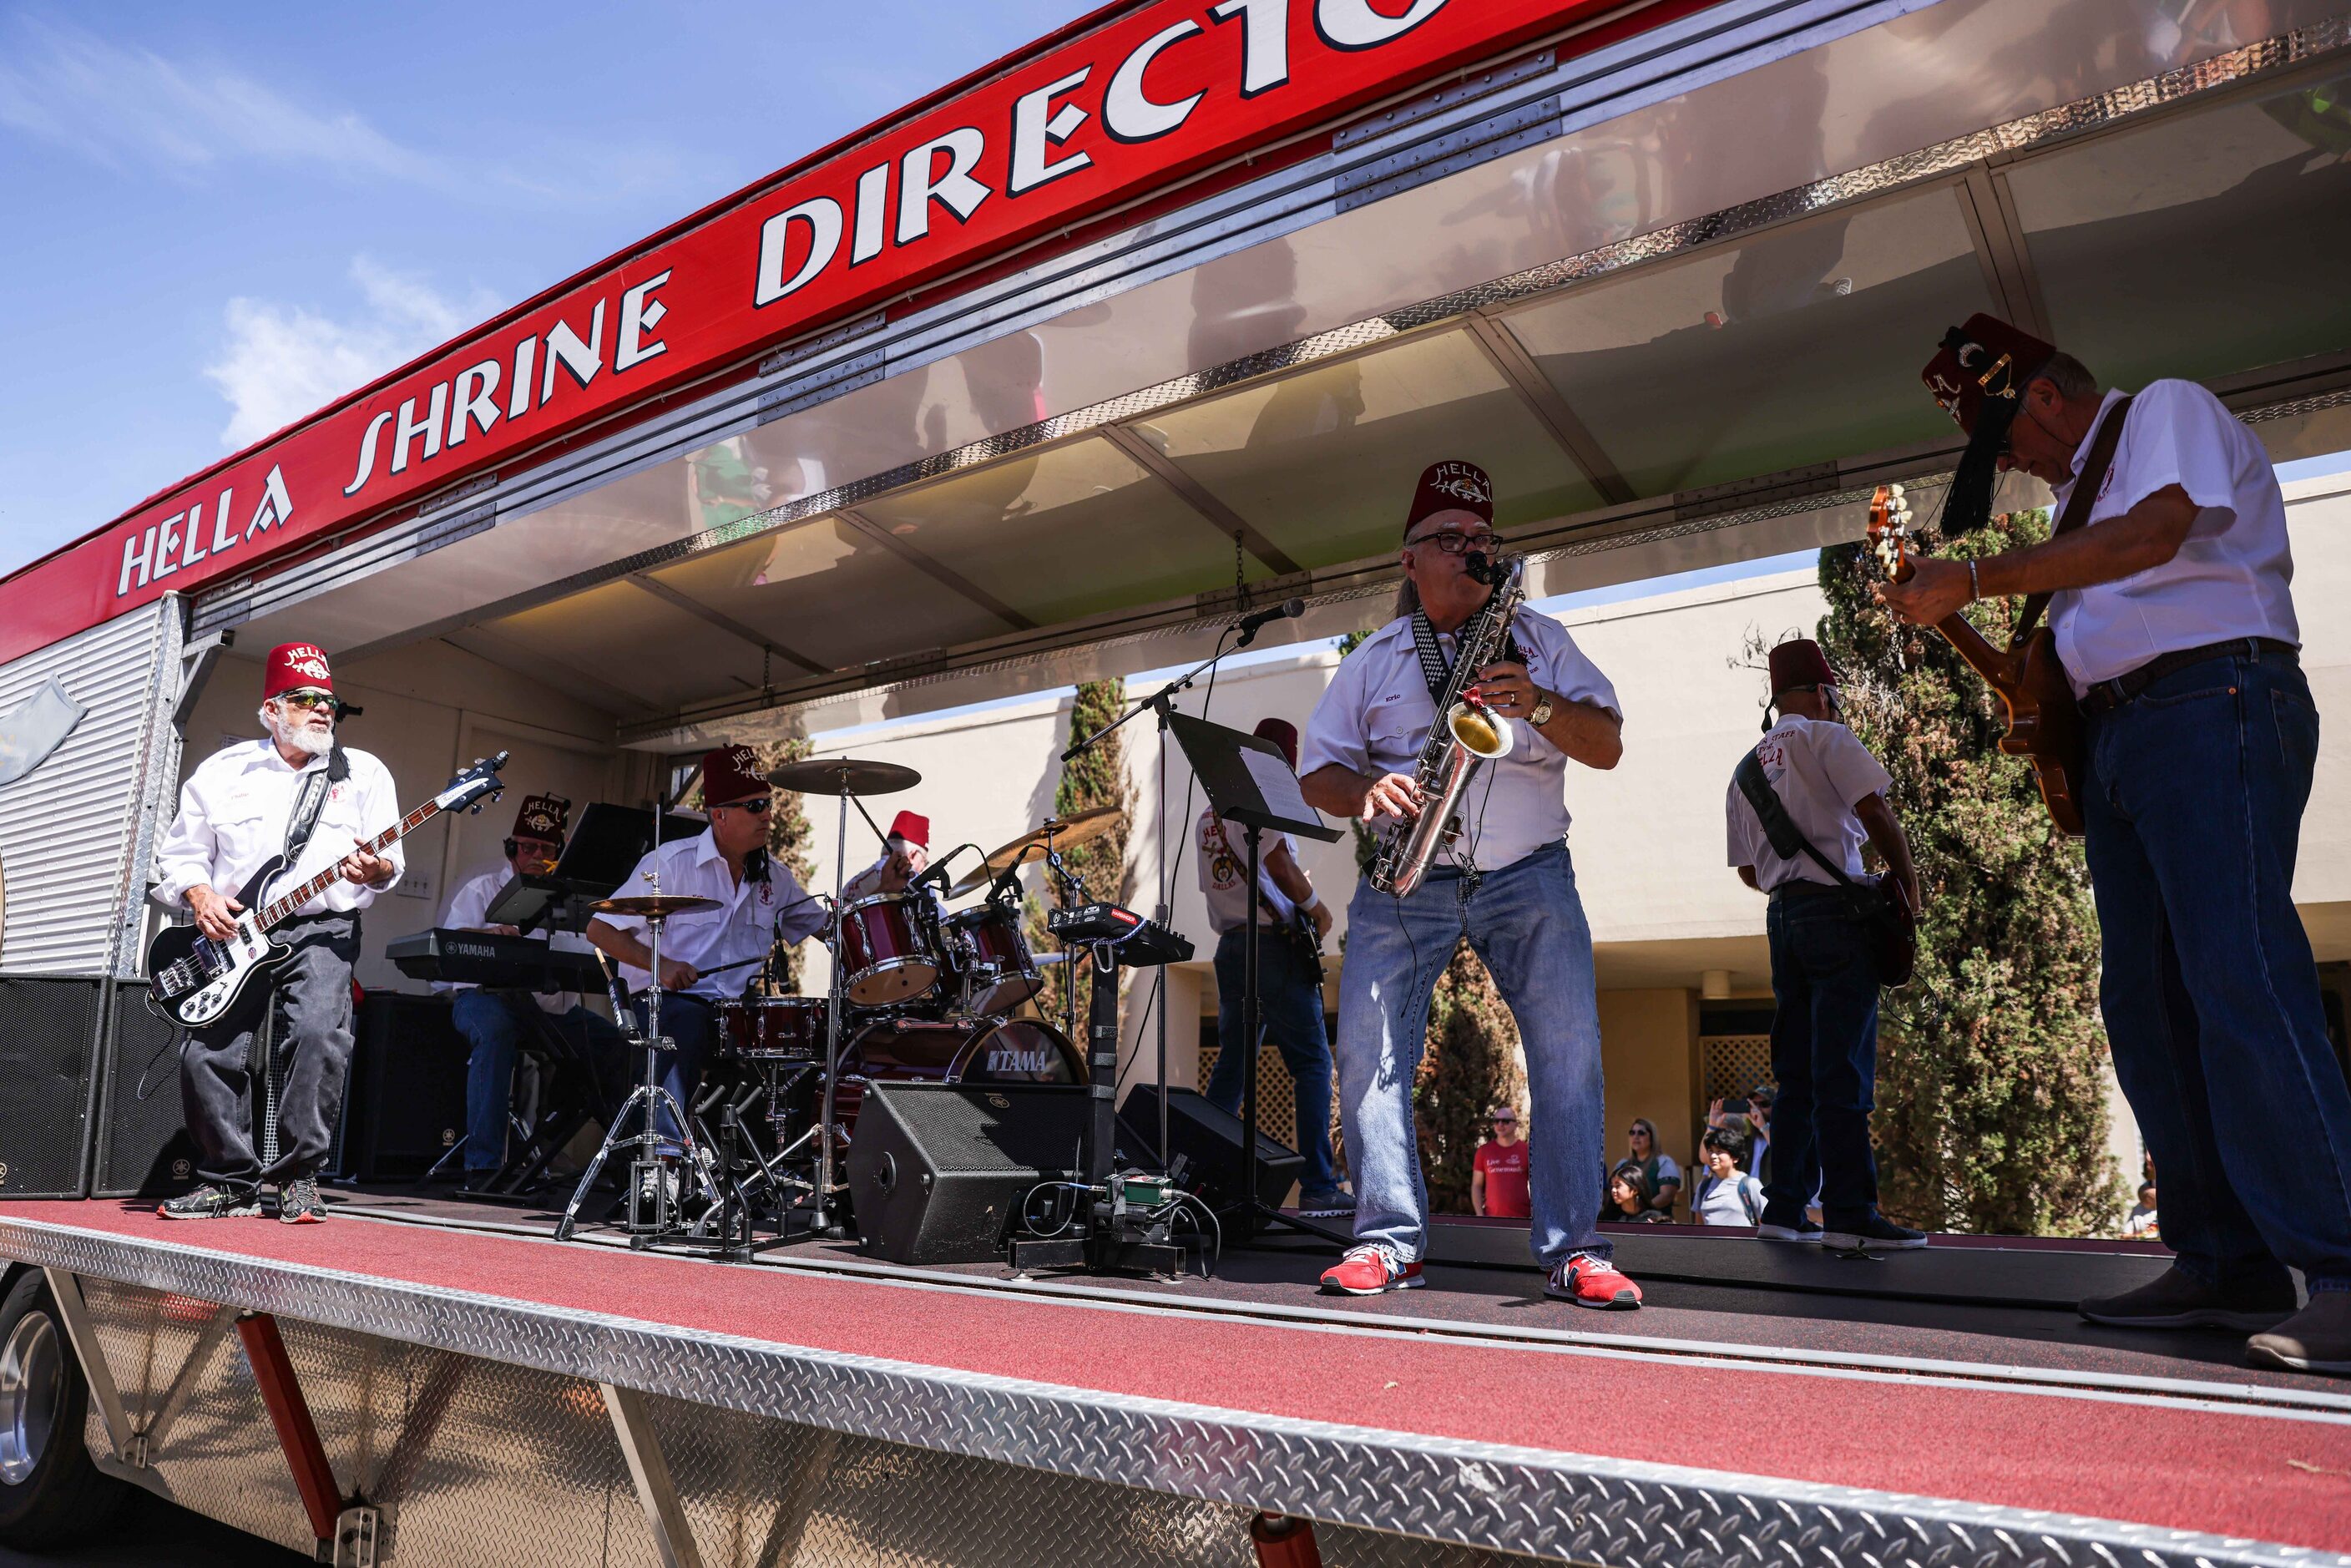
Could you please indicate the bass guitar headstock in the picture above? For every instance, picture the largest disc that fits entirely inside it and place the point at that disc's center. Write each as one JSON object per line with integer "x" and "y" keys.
{"x": 1889, "y": 530}
{"x": 475, "y": 784}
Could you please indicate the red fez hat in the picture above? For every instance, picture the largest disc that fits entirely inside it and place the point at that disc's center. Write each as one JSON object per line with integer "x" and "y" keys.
{"x": 542, "y": 817}
{"x": 1985, "y": 359}
{"x": 1452, "y": 486}
{"x": 1282, "y": 733}
{"x": 1799, "y": 661}
{"x": 730, "y": 774}
{"x": 295, "y": 667}
{"x": 913, "y": 827}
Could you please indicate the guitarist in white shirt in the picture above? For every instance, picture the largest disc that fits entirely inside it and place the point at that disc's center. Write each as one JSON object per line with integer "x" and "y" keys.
{"x": 237, "y": 810}
{"x": 2174, "y": 618}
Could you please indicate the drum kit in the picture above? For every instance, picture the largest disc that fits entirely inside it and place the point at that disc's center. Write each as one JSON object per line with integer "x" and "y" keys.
{"x": 920, "y": 992}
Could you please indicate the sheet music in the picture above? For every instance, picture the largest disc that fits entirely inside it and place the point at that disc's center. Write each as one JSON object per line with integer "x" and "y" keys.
{"x": 1278, "y": 784}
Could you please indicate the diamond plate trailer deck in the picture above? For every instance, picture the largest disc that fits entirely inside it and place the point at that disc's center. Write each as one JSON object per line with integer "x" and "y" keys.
{"x": 499, "y": 1398}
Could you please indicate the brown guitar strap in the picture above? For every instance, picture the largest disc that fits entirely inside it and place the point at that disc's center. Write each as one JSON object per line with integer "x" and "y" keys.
{"x": 2077, "y": 507}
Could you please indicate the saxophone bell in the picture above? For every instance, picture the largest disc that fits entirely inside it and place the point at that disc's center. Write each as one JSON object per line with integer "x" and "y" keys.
{"x": 1481, "y": 732}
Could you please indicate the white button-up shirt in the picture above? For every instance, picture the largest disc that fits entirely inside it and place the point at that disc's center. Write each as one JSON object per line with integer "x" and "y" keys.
{"x": 2234, "y": 573}
{"x": 469, "y": 910}
{"x": 235, "y": 809}
{"x": 750, "y": 916}
{"x": 1820, "y": 771}
{"x": 1377, "y": 712}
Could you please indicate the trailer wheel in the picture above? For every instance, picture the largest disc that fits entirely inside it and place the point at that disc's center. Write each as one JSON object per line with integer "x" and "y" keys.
{"x": 50, "y": 1491}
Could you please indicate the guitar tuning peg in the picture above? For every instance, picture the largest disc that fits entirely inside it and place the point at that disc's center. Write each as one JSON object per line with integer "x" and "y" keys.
{"x": 1894, "y": 492}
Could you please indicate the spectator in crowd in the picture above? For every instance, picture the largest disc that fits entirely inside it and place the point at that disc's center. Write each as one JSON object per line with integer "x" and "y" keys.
{"x": 1664, "y": 1176}
{"x": 1725, "y": 1195}
{"x": 1498, "y": 1177}
{"x": 2141, "y": 1222}
{"x": 1759, "y": 1132}
{"x": 1631, "y": 1200}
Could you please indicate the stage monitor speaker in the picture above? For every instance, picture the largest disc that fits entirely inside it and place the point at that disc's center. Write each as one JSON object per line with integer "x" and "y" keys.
{"x": 49, "y": 1046}
{"x": 1207, "y": 1143}
{"x": 143, "y": 1147}
{"x": 938, "y": 1172}
{"x": 406, "y": 1107}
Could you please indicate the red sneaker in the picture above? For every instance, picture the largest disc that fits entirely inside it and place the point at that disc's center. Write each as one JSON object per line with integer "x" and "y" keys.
{"x": 1371, "y": 1270}
{"x": 1590, "y": 1282}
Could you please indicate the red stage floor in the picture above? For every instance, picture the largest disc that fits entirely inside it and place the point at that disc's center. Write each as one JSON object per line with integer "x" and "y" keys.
{"x": 2268, "y": 1473}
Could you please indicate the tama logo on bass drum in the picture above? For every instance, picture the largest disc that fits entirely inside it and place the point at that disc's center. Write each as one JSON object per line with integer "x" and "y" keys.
{"x": 1015, "y": 1058}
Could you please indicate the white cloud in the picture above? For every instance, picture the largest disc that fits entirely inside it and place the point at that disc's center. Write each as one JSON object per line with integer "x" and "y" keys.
{"x": 283, "y": 361}
{"x": 123, "y": 107}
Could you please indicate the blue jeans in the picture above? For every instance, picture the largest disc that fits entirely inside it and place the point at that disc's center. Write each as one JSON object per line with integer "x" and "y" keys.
{"x": 2193, "y": 800}
{"x": 691, "y": 1023}
{"x": 1289, "y": 1009}
{"x": 1527, "y": 923}
{"x": 492, "y": 1023}
{"x": 1823, "y": 1056}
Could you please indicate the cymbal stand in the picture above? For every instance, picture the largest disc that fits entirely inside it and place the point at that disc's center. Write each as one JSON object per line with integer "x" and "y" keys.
{"x": 646, "y": 1098}
{"x": 1071, "y": 888}
{"x": 823, "y": 1221}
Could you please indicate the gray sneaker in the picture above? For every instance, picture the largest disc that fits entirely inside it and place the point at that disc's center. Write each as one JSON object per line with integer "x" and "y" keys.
{"x": 298, "y": 1203}
{"x": 212, "y": 1202}
{"x": 2177, "y": 1299}
{"x": 2315, "y": 1339}
{"x": 1331, "y": 1205}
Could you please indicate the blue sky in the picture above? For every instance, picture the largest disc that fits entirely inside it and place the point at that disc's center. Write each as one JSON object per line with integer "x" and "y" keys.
{"x": 220, "y": 217}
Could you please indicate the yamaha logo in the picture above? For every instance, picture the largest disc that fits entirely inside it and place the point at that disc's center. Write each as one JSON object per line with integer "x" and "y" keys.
{"x": 4, "y": 1173}
{"x": 997, "y": 1101}
{"x": 183, "y": 1169}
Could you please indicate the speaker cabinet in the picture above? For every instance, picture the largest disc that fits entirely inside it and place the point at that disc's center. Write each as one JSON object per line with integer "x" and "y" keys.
{"x": 406, "y": 1105}
{"x": 1204, "y": 1147}
{"x": 143, "y": 1147}
{"x": 938, "y": 1172}
{"x": 49, "y": 1044}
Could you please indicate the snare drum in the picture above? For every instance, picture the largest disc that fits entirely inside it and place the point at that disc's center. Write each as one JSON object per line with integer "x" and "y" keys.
{"x": 774, "y": 1027}
{"x": 991, "y": 960}
{"x": 889, "y": 949}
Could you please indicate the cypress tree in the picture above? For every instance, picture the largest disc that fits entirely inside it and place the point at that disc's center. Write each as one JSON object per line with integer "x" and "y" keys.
{"x": 1095, "y": 777}
{"x": 1991, "y": 1072}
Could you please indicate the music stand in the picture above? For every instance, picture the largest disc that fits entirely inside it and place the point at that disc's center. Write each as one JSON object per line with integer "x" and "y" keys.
{"x": 602, "y": 851}
{"x": 1248, "y": 780}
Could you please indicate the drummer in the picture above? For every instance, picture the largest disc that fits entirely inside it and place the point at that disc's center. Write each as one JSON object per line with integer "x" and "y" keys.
{"x": 706, "y": 954}
{"x": 905, "y": 855}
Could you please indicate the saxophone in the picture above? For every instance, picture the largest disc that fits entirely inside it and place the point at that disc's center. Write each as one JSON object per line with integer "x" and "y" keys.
{"x": 1466, "y": 735}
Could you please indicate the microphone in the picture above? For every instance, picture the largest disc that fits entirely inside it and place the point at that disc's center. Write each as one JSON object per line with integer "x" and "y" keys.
{"x": 1256, "y": 619}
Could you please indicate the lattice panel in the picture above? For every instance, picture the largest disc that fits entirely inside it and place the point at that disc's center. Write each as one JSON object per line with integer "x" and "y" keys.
{"x": 1735, "y": 1063}
{"x": 1277, "y": 1095}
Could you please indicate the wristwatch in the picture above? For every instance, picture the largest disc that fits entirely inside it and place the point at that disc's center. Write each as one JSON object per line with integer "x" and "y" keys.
{"x": 1540, "y": 714}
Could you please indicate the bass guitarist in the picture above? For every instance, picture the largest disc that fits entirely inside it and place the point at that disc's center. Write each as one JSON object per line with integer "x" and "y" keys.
{"x": 298, "y": 791}
{"x": 1290, "y": 980}
{"x": 2175, "y": 624}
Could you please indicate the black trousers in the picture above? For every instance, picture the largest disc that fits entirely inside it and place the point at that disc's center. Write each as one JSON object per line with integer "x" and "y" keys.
{"x": 312, "y": 1051}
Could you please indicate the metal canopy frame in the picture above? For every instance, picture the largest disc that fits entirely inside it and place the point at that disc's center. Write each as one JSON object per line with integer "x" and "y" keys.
{"x": 1974, "y": 167}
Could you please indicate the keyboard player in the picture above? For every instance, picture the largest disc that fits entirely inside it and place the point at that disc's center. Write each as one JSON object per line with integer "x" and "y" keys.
{"x": 495, "y": 1022}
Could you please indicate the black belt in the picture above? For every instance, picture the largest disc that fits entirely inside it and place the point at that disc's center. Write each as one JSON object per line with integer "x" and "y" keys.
{"x": 2107, "y": 696}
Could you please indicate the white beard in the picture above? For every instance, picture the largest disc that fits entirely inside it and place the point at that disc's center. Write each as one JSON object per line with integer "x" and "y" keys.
{"x": 301, "y": 736}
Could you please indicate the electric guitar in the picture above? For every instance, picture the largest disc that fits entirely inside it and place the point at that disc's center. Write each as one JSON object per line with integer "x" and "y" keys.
{"x": 2044, "y": 726}
{"x": 199, "y": 981}
{"x": 1306, "y": 942}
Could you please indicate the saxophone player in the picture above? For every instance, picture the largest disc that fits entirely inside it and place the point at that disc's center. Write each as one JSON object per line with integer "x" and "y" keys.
{"x": 1505, "y": 881}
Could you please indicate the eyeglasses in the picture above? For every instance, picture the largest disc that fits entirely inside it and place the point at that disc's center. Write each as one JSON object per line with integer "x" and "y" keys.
{"x": 1484, "y": 543}
{"x": 757, "y": 808}
{"x": 306, "y": 700}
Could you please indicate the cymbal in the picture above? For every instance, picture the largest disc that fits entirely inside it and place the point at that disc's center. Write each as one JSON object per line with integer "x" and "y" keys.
{"x": 843, "y": 776}
{"x": 654, "y": 905}
{"x": 1061, "y": 833}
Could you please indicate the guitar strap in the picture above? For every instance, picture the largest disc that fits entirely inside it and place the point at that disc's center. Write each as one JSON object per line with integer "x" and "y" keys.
{"x": 1788, "y": 841}
{"x": 311, "y": 800}
{"x": 2078, "y": 503}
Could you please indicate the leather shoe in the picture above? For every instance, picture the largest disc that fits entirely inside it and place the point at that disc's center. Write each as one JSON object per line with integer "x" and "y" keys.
{"x": 2177, "y": 1299}
{"x": 2315, "y": 1339}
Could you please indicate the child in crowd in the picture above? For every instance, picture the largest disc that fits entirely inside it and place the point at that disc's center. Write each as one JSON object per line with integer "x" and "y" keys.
{"x": 1726, "y": 1195}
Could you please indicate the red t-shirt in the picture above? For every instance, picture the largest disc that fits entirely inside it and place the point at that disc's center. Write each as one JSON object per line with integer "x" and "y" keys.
{"x": 1506, "y": 1178}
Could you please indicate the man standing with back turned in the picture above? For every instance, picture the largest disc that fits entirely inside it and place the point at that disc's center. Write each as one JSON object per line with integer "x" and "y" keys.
{"x": 2176, "y": 624}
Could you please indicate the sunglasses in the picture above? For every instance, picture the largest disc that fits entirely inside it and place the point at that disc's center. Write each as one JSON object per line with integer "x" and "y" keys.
{"x": 1461, "y": 544}
{"x": 308, "y": 700}
{"x": 757, "y": 808}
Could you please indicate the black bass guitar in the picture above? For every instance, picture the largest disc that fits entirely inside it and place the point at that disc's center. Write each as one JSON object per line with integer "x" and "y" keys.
{"x": 199, "y": 981}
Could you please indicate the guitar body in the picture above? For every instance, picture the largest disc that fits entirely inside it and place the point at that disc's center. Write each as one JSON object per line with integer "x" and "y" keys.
{"x": 204, "y": 983}
{"x": 1307, "y": 943}
{"x": 2044, "y": 726}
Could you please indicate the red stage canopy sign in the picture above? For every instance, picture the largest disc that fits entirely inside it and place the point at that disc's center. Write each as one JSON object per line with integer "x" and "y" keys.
{"x": 1139, "y": 102}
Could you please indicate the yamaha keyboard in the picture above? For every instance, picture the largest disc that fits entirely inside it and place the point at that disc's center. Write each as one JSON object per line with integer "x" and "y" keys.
{"x": 487, "y": 958}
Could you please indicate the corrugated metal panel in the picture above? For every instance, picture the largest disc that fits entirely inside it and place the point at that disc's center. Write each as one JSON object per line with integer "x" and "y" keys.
{"x": 68, "y": 830}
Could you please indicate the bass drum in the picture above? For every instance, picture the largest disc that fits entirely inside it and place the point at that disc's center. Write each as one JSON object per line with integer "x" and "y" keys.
{"x": 916, "y": 1050}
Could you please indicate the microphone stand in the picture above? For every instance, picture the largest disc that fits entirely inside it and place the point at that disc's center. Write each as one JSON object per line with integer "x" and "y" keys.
{"x": 1161, "y": 704}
